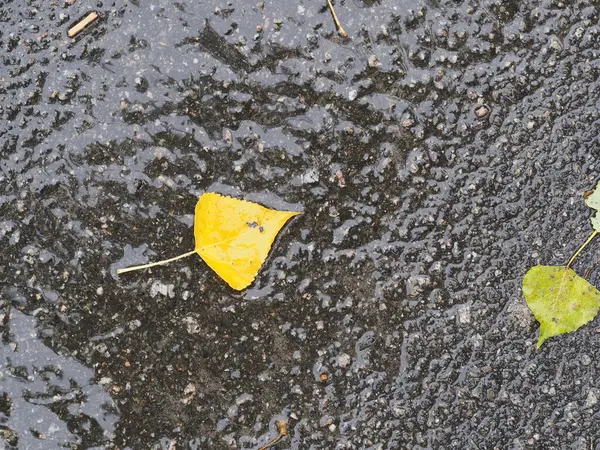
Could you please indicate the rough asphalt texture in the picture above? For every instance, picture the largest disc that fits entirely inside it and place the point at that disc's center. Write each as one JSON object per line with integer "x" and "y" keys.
{"x": 401, "y": 282}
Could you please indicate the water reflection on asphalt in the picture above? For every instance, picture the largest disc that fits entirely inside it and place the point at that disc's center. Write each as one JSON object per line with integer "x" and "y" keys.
{"x": 48, "y": 401}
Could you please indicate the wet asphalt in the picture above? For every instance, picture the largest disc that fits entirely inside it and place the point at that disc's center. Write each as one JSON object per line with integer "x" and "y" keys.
{"x": 437, "y": 153}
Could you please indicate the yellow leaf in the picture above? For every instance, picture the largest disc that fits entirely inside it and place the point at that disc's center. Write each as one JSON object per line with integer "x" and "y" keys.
{"x": 232, "y": 236}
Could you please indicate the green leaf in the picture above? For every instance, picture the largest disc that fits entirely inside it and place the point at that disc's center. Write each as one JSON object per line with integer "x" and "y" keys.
{"x": 559, "y": 299}
{"x": 592, "y": 199}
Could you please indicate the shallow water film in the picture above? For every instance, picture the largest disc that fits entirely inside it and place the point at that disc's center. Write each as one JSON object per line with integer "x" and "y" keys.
{"x": 437, "y": 152}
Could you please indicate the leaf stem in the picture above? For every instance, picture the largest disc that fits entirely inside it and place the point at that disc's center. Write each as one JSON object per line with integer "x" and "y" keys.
{"x": 338, "y": 25}
{"x": 584, "y": 245}
{"x": 158, "y": 263}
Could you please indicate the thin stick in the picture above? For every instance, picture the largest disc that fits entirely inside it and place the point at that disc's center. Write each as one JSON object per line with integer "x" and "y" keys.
{"x": 282, "y": 429}
{"x": 159, "y": 263}
{"x": 79, "y": 26}
{"x": 273, "y": 442}
{"x": 584, "y": 245}
{"x": 338, "y": 25}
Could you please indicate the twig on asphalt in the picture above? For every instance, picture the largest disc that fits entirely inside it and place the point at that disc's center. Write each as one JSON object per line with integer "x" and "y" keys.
{"x": 79, "y": 26}
{"x": 338, "y": 25}
{"x": 281, "y": 429}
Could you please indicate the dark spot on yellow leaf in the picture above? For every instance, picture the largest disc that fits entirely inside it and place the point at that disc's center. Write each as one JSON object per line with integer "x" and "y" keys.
{"x": 252, "y": 224}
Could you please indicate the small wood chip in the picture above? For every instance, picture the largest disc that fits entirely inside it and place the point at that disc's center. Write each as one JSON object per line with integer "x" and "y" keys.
{"x": 80, "y": 26}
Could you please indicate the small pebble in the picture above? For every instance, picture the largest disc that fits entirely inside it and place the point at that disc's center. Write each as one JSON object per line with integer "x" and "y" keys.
{"x": 344, "y": 360}
{"x": 556, "y": 45}
{"x": 592, "y": 399}
{"x": 373, "y": 61}
{"x": 464, "y": 314}
{"x": 408, "y": 123}
{"x": 482, "y": 111}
